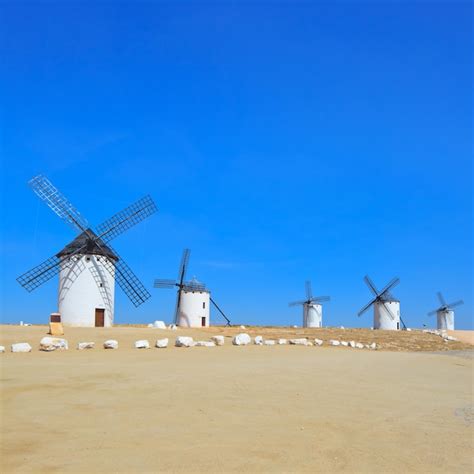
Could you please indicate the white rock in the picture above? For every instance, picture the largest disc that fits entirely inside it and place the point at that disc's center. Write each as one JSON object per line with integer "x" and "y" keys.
{"x": 162, "y": 343}
{"x": 241, "y": 339}
{"x": 218, "y": 340}
{"x": 352, "y": 344}
{"x": 2, "y": 348}
{"x": 282, "y": 341}
{"x": 359, "y": 345}
{"x": 333, "y": 342}
{"x": 150, "y": 325}
{"x": 449, "y": 338}
{"x": 204, "y": 344}
{"x": 318, "y": 342}
{"x": 269, "y": 342}
{"x": 258, "y": 340}
{"x": 309, "y": 343}
{"x": 373, "y": 346}
{"x": 49, "y": 344}
{"x": 344, "y": 343}
{"x": 142, "y": 344}
{"x": 85, "y": 345}
{"x": 173, "y": 327}
{"x": 299, "y": 341}
{"x": 367, "y": 346}
{"x": 408, "y": 329}
{"x": 111, "y": 344}
{"x": 184, "y": 341}
{"x": 342, "y": 327}
{"x": 21, "y": 347}
{"x": 294, "y": 327}
{"x": 242, "y": 327}
{"x": 159, "y": 325}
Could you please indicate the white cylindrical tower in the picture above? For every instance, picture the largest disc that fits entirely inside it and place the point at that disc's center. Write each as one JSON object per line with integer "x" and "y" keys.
{"x": 86, "y": 286}
{"x": 194, "y": 308}
{"x": 445, "y": 319}
{"x": 312, "y": 315}
{"x": 382, "y": 317}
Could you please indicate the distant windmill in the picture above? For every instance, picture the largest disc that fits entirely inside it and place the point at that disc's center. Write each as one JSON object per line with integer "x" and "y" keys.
{"x": 192, "y": 303}
{"x": 386, "y": 307}
{"x": 445, "y": 313}
{"x": 312, "y": 308}
{"x": 86, "y": 298}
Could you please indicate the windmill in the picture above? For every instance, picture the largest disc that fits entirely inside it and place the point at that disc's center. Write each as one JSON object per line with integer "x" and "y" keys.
{"x": 386, "y": 306}
{"x": 192, "y": 303}
{"x": 88, "y": 266}
{"x": 312, "y": 308}
{"x": 445, "y": 313}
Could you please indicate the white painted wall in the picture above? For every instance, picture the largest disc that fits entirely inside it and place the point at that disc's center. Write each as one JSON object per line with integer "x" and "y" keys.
{"x": 445, "y": 319}
{"x": 382, "y": 319}
{"x": 193, "y": 307}
{"x": 312, "y": 315}
{"x": 79, "y": 293}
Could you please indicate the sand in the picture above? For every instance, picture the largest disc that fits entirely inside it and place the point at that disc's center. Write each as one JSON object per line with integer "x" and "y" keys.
{"x": 227, "y": 409}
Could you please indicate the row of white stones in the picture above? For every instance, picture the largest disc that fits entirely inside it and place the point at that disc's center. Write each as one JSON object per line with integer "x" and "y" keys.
{"x": 244, "y": 339}
{"x": 441, "y": 333}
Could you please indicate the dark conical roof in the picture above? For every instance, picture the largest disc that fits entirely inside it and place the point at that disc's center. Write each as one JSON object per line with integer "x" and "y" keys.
{"x": 91, "y": 247}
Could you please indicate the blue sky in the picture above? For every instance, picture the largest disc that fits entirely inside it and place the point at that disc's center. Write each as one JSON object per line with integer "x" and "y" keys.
{"x": 281, "y": 142}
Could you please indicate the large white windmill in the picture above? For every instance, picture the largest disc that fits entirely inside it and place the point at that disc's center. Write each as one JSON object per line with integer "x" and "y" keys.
{"x": 445, "y": 313}
{"x": 386, "y": 306}
{"x": 312, "y": 308}
{"x": 193, "y": 298}
{"x": 88, "y": 266}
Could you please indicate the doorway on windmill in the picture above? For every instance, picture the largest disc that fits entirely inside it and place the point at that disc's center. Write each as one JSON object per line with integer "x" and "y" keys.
{"x": 398, "y": 325}
{"x": 203, "y": 321}
{"x": 99, "y": 317}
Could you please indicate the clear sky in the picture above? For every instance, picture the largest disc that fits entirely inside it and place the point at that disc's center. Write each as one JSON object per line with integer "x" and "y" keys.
{"x": 281, "y": 142}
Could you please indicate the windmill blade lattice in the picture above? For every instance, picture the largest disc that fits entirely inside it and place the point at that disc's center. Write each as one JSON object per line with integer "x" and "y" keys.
{"x": 125, "y": 219}
{"x": 60, "y": 205}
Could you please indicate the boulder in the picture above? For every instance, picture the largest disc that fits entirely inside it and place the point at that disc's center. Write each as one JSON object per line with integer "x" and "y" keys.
{"x": 150, "y": 325}
{"x": 342, "y": 327}
{"x": 294, "y": 327}
{"x": 49, "y": 344}
{"x": 241, "y": 339}
{"x": 85, "y": 345}
{"x": 142, "y": 344}
{"x": 318, "y": 342}
{"x": 344, "y": 343}
{"x": 352, "y": 344}
{"x": 269, "y": 342}
{"x": 2, "y": 348}
{"x": 218, "y": 340}
{"x": 333, "y": 342}
{"x": 373, "y": 346}
{"x": 258, "y": 340}
{"x": 159, "y": 325}
{"x": 282, "y": 341}
{"x": 359, "y": 345}
{"x": 242, "y": 327}
{"x": 21, "y": 347}
{"x": 111, "y": 344}
{"x": 299, "y": 341}
{"x": 205, "y": 344}
{"x": 173, "y": 327}
{"x": 184, "y": 341}
{"x": 162, "y": 343}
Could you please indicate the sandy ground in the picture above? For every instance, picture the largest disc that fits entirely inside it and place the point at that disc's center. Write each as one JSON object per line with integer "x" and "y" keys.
{"x": 226, "y": 409}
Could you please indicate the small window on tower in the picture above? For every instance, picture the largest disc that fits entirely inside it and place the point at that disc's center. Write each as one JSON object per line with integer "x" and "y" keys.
{"x": 100, "y": 284}
{"x": 203, "y": 305}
